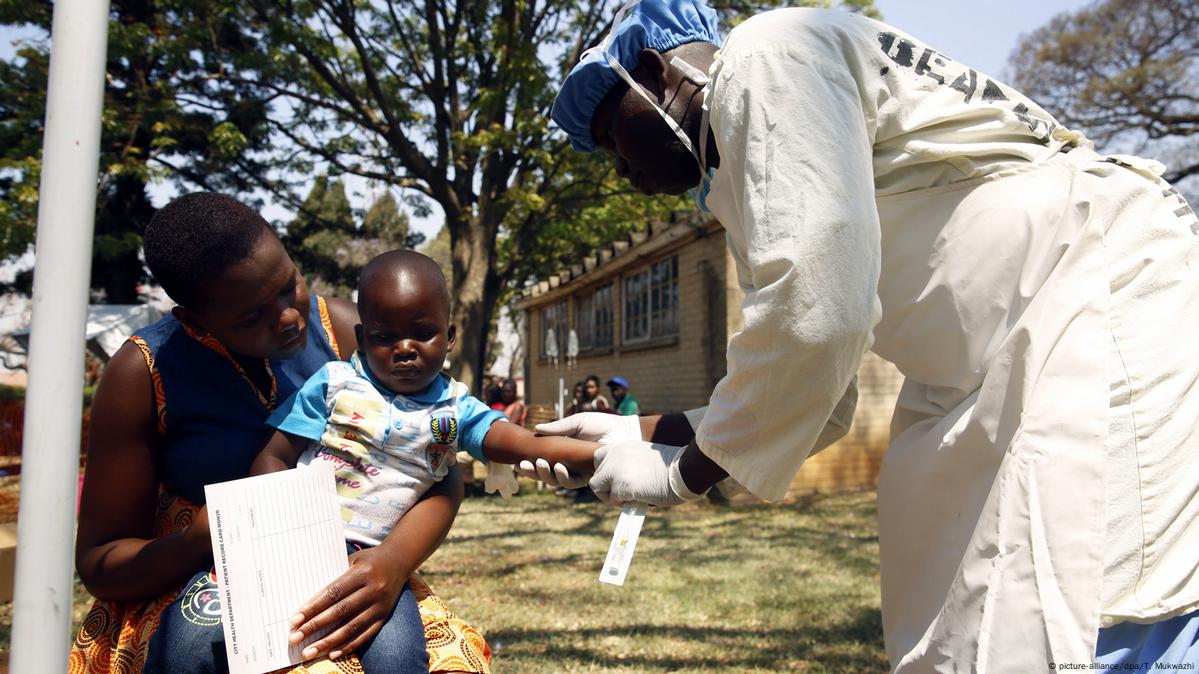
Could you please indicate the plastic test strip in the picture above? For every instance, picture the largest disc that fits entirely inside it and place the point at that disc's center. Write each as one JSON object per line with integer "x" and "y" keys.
{"x": 624, "y": 542}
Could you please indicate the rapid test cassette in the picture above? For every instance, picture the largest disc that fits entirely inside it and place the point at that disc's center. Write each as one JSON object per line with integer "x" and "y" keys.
{"x": 624, "y": 542}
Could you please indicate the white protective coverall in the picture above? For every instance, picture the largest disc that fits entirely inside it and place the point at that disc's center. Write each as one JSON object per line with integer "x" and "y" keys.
{"x": 1041, "y": 301}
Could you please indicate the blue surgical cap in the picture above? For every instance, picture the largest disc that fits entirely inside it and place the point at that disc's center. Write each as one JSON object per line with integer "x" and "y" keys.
{"x": 661, "y": 25}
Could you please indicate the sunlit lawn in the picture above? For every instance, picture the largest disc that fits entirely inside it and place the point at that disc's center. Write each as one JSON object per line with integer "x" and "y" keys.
{"x": 751, "y": 588}
{"x": 747, "y": 588}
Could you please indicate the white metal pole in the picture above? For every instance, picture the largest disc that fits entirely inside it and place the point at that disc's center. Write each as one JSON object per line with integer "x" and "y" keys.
{"x": 53, "y": 402}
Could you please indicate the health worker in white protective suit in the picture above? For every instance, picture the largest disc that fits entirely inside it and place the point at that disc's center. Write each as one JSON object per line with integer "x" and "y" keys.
{"x": 1038, "y": 502}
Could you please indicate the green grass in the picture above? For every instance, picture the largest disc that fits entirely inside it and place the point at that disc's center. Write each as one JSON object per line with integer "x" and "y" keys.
{"x": 748, "y": 588}
{"x": 751, "y": 588}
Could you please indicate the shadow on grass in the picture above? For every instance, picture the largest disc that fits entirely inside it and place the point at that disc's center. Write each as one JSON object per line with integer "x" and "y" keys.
{"x": 851, "y": 645}
{"x": 597, "y": 520}
{"x": 830, "y": 543}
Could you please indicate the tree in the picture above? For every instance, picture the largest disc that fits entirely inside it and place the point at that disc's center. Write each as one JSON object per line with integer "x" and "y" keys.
{"x": 319, "y": 237}
{"x": 1124, "y": 71}
{"x": 446, "y": 101}
{"x": 449, "y": 102}
{"x": 330, "y": 247}
{"x": 383, "y": 220}
{"x": 438, "y": 248}
{"x": 161, "y": 121}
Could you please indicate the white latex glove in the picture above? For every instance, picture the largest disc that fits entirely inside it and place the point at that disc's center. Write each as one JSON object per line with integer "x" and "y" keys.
{"x": 500, "y": 480}
{"x": 642, "y": 472}
{"x": 594, "y": 427}
{"x": 557, "y": 476}
{"x": 589, "y": 426}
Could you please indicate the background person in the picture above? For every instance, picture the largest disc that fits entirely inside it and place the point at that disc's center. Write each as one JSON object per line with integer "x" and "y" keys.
{"x": 514, "y": 408}
{"x": 492, "y": 397}
{"x": 593, "y": 400}
{"x": 579, "y": 396}
{"x": 1039, "y": 298}
{"x": 626, "y": 404}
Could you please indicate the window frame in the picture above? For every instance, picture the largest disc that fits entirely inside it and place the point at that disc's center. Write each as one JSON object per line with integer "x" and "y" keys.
{"x": 650, "y": 305}
{"x": 560, "y": 324}
{"x": 603, "y": 304}
{"x": 594, "y": 319}
{"x": 584, "y": 321}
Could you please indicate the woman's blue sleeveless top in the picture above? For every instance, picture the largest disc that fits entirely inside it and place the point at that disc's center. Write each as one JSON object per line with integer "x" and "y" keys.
{"x": 210, "y": 418}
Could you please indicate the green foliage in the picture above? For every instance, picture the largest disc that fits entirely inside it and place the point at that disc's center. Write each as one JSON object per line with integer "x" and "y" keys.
{"x": 383, "y": 220}
{"x": 443, "y": 102}
{"x": 22, "y": 109}
{"x": 18, "y": 205}
{"x": 161, "y": 121}
{"x": 1125, "y": 72}
{"x": 325, "y": 208}
{"x": 438, "y": 248}
{"x": 320, "y": 237}
{"x": 226, "y": 140}
{"x": 328, "y": 244}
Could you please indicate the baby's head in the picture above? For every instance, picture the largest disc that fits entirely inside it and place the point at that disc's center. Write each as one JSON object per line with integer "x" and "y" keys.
{"x": 405, "y": 330}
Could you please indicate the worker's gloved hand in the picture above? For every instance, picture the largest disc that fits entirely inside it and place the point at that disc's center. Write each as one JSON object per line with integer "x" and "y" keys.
{"x": 594, "y": 427}
{"x": 641, "y": 472}
{"x": 556, "y": 476}
{"x": 589, "y": 426}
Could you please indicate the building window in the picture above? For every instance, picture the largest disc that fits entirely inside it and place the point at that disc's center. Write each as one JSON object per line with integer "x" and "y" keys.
{"x": 651, "y": 301}
{"x": 593, "y": 319}
{"x": 602, "y": 306}
{"x": 585, "y": 321}
{"x": 553, "y": 316}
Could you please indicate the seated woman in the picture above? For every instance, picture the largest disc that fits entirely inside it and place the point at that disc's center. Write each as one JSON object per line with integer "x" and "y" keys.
{"x": 183, "y": 404}
{"x": 593, "y": 400}
{"x": 514, "y": 408}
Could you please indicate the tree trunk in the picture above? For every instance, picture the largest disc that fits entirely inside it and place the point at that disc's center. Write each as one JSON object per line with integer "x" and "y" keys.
{"x": 516, "y": 365}
{"x": 473, "y": 294}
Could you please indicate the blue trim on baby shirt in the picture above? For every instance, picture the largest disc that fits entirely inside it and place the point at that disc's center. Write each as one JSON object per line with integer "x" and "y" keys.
{"x": 306, "y": 411}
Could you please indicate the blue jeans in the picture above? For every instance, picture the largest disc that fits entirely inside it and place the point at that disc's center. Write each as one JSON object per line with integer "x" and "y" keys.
{"x": 1174, "y": 641}
{"x": 191, "y": 640}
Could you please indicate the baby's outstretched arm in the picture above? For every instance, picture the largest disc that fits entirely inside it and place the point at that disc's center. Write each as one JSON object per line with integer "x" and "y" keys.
{"x": 510, "y": 443}
{"x": 280, "y": 453}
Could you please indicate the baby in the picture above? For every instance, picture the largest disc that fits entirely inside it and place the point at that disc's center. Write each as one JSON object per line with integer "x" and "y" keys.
{"x": 389, "y": 421}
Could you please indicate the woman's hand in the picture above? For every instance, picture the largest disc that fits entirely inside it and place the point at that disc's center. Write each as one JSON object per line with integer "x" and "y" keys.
{"x": 357, "y": 605}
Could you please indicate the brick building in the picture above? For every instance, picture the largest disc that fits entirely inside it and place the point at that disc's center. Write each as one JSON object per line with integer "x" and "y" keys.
{"x": 658, "y": 309}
